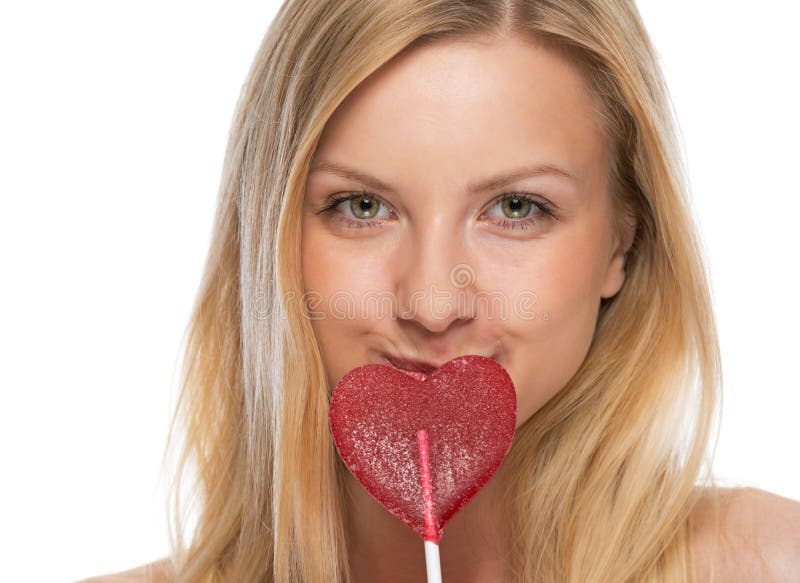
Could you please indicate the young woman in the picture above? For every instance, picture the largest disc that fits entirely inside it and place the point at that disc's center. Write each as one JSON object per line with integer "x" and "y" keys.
{"x": 473, "y": 148}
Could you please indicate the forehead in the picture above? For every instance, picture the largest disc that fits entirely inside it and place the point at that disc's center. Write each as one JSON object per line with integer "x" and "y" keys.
{"x": 449, "y": 105}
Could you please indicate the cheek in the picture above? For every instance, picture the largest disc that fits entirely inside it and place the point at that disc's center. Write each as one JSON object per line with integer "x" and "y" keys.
{"x": 326, "y": 286}
{"x": 548, "y": 336}
{"x": 338, "y": 274}
{"x": 548, "y": 283}
{"x": 315, "y": 262}
{"x": 335, "y": 266}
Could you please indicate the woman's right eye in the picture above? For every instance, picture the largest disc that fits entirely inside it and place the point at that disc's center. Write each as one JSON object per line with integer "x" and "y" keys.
{"x": 358, "y": 209}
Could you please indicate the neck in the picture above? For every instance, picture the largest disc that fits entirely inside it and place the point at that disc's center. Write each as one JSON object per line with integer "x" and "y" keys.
{"x": 472, "y": 548}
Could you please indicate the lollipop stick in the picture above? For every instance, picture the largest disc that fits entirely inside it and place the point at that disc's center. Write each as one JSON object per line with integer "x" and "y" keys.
{"x": 432, "y": 562}
{"x": 431, "y": 537}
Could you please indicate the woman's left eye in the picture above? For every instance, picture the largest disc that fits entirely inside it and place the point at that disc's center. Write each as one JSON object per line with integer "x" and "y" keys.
{"x": 518, "y": 210}
{"x": 524, "y": 209}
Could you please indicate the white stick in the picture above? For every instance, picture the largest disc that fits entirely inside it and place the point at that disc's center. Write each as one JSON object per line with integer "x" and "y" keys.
{"x": 432, "y": 562}
{"x": 429, "y": 518}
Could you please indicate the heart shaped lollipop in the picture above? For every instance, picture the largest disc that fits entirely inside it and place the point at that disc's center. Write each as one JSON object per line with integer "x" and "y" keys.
{"x": 467, "y": 409}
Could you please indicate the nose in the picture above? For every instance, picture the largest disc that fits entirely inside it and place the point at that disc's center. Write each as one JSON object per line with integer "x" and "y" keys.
{"x": 437, "y": 283}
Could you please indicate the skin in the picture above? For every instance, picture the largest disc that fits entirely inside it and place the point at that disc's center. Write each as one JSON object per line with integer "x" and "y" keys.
{"x": 433, "y": 121}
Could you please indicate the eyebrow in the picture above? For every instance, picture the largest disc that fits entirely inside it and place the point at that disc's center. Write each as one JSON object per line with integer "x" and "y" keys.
{"x": 492, "y": 183}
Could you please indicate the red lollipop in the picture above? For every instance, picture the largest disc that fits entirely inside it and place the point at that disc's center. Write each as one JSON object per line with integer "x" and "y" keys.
{"x": 424, "y": 448}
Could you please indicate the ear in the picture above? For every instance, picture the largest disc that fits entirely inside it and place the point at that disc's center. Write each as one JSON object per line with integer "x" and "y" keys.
{"x": 615, "y": 274}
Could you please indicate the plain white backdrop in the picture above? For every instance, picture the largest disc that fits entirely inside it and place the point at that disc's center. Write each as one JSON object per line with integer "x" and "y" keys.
{"x": 113, "y": 124}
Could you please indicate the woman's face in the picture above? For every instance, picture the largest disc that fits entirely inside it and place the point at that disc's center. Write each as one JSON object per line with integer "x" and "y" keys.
{"x": 426, "y": 260}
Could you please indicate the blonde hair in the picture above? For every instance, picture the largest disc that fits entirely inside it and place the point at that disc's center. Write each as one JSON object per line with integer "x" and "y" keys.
{"x": 602, "y": 479}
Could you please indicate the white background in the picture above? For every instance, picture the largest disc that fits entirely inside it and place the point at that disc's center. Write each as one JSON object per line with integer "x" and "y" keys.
{"x": 113, "y": 124}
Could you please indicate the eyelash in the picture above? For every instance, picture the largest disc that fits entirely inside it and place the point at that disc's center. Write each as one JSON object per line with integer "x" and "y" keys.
{"x": 510, "y": 224}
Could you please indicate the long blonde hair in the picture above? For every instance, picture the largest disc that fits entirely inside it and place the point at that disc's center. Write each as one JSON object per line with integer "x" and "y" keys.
{"x": 602, "y": 479}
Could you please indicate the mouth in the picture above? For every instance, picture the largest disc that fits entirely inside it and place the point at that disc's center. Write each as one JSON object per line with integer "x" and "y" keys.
{"x": 416, "y": 369}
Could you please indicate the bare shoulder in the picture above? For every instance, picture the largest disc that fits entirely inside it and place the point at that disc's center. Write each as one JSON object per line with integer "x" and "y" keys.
{"x": 776, "y": 520}
{"x": 758, "y": 539}
{"x": 156, "y": 572}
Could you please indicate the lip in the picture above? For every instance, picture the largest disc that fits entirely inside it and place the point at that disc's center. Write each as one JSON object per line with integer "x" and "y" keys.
{"x": 417, "y": 369}
{"x": 420, "y": 370}
{"x": 420, "y": 376}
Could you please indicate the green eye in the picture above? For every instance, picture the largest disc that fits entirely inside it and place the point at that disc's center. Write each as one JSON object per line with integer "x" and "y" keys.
{"x": 519, "y": 211}
{"x": 516, "y": 207}
{"x": 357, "y": 209}
{"x": 364, "y": 206}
